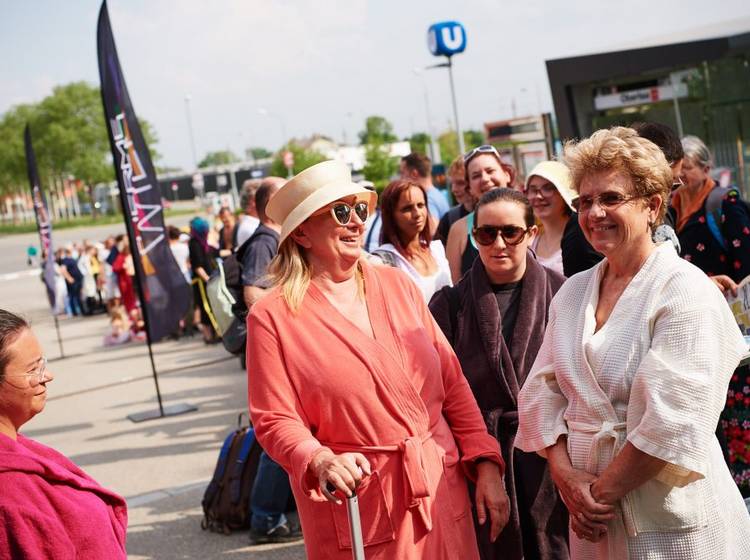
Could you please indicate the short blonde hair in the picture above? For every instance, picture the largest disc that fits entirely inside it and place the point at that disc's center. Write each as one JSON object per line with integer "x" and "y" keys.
{"x": 457, "y": 167}
{"x": 621, "y": 149}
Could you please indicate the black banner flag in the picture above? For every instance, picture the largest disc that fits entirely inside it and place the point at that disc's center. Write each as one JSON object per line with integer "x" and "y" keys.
{"x": 43, "y": 221}
{"x": 163, "y": 290}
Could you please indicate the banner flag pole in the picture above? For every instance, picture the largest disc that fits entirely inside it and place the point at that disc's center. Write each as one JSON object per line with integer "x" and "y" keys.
{"x": 162, "y": 290}
{"x": 44, "y": 227}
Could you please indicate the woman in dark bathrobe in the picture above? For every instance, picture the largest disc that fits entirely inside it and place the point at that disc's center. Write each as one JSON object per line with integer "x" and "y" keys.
{"x": 495, "y": 319}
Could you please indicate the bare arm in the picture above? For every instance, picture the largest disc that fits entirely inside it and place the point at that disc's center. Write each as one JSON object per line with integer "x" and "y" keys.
{"x": 455, "y": 248}
{"x": 627, "y": 471}
{"x": 200, "y": 271}
{"x": 251, "y": 294}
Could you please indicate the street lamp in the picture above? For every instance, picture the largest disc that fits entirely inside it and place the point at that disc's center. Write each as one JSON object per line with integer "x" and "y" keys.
{"x": 446, "y": 39}
{"x": 434, "y": 149}
{"x": 267, "y": 113}
{"x": 190, "y": 129}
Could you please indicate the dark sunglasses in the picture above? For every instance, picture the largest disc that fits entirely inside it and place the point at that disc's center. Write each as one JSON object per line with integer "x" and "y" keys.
{"x": 484, "y": 149}
{"x": 342, "y": 212}
{"x": 486, "y": 235}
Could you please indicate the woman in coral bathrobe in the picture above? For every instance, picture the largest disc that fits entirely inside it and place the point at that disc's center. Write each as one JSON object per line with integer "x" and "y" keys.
{"x": 352, "y": 384}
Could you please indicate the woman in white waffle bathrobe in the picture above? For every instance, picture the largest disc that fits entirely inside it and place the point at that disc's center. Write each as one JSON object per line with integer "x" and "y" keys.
{"x": 627, "y": 388}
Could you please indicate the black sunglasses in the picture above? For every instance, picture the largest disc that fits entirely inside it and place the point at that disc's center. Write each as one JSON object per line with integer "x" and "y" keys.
{"x": 486, "y": 235}
{"x": 342, "y": 212}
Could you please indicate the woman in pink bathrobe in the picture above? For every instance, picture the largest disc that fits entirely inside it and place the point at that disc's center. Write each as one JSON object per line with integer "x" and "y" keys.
{"x": 49, "y": 508}
{"x": 351, "y": 383}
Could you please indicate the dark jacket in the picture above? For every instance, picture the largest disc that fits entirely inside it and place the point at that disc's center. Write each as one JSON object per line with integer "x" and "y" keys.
{"x": 469, "y": 316}
{"x": 701, "y": 248}
{"x": 577, "y": 253}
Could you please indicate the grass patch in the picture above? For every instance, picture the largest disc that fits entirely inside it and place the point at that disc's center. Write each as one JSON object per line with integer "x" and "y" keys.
{"x": 84, "y": 221}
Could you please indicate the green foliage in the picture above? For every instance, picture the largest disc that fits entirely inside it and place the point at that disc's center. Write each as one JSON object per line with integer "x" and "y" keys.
{"x": 257, "y": 153}
{"x": 419, "y": 142}
{"x": 377, "y": 129}
{"x": 220, "y": 157}
{"x": 69, "y": 136}
{"x": 380, "y": 166}
{"x": 448, "y": 142}
{"x": 302, "y": 159}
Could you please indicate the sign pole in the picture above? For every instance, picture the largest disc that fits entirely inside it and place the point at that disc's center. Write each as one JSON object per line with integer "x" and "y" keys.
{"x": 459, "y": 134}
{"x": 59, "y": 338}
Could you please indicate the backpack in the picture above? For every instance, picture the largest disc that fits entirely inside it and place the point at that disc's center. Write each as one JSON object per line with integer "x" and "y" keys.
{"x": 220, "y": 299}
{"x": 226, "y": 502}
{"x": 713, "y": 211}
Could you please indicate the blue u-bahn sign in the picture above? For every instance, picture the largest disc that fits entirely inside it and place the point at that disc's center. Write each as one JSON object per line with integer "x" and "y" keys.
{"x": 446, "y": 38}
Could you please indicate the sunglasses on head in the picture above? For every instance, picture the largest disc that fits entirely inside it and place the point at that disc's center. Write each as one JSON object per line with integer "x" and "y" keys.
{"x": 486, "y": 235}
{"x": 484, "y": 149}
{"x": 342, "y": 212}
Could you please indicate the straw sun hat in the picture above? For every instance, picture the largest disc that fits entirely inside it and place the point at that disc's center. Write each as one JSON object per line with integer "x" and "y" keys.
{"x": 557, "y": 174}
{"x": 311, "y": 190}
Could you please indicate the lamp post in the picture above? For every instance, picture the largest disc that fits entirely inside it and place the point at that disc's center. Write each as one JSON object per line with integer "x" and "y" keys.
{"x": 434, "y": 148}
{"x": 190, "y": 129}
{"x": 267, "y": 113}
{"x": 448, "y": 38}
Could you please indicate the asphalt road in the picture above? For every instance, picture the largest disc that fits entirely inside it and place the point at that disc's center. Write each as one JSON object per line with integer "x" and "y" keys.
{"x": 13, "y": 247}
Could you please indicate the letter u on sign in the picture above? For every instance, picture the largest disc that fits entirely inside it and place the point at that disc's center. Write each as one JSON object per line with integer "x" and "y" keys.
{"x": 446, "y": 38}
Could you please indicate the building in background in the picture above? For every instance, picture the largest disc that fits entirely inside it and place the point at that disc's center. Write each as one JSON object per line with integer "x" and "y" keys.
{"x": 696, "y": 82}
{"x": 523, "y": 141}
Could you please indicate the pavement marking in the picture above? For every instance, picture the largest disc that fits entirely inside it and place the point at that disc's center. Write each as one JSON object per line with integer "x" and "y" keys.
{"x": 150, "y": 497}
{"x": 20, "y": 274}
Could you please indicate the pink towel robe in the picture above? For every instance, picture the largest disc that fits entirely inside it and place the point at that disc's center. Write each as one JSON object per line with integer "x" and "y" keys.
{"x": 50, "y": 508}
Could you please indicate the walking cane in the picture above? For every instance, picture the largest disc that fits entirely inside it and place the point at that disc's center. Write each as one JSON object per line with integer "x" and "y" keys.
{"x": 355, "y": 524}
{"x": 355, "y": 527}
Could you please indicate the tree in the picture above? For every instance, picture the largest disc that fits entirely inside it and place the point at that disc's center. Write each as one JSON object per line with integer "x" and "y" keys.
{"x": 220, "y": 157}
{"x": 70, "y": 139}
{"x": 377, "y": 129}
{"x": 449, "y": 143}
{"x": 303, "y": 159}
{"x": 419, "y": 142}
{"x": 380, "y": 166}
{"x": 257, "y": 153}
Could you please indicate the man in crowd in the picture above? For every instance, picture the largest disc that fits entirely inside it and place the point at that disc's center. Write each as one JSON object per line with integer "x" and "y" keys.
{"x": 271, "y": 521}
{"x": 465, "y": 201}
{"x": 248, "y": 221}
{"x": 417, "y": 168}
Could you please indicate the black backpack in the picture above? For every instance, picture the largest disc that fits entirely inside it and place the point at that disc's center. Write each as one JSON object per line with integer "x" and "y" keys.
{"x": 226, "y": 502}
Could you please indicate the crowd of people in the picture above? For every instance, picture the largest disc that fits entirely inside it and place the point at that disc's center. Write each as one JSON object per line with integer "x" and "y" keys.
{"x": 537, "y": 372}
{"x": 513, "y": 377}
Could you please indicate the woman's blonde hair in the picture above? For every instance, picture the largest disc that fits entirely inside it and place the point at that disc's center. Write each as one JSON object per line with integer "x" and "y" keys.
{"x": 290, "y": 271}
{"x": 620, "y": 148}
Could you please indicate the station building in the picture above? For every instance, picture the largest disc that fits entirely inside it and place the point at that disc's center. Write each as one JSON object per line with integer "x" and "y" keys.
{"x": 699, "y": 83}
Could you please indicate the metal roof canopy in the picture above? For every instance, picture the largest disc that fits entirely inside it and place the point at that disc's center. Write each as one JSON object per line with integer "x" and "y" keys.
{"x": 563, "y": 73}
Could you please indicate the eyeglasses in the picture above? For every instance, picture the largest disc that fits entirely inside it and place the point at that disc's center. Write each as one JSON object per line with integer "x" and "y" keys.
{"x": 547, "y": 189}
{"x": 37, "y": 373}
{"x": 342, "y": 212}
{"x": 607, "y": 201}
{"x": 486, "y": 235}
{"x": 484, "y": 149}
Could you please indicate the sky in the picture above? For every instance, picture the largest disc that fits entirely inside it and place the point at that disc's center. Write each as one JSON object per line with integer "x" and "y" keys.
{"x": 321, "y": 66}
